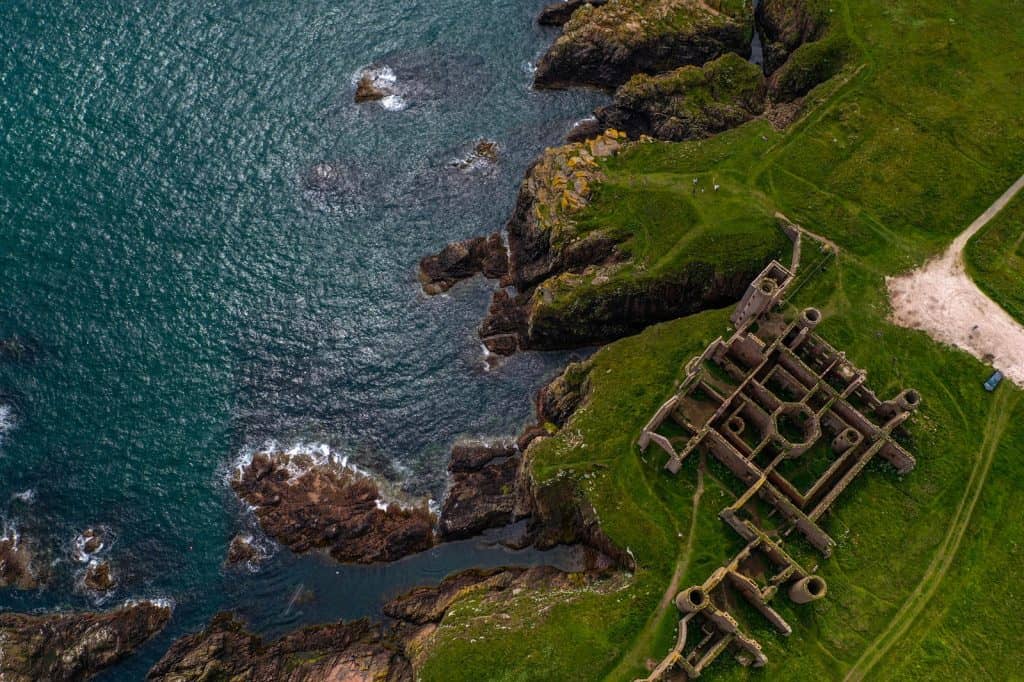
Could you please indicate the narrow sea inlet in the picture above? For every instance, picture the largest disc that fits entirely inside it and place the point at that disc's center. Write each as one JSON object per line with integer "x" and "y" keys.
{"x": 208, "y": 246}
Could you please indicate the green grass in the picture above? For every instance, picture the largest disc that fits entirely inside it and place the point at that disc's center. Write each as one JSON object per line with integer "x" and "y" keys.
{"x": 899, "y": 153}
{"x": 995, "y": 258}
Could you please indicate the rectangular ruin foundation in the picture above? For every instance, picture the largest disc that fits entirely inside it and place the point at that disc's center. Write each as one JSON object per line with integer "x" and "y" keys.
{"x": 795, "y": 423}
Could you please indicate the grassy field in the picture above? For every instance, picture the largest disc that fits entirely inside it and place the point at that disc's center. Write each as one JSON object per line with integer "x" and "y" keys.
{"x": 899, "y": 154}
{"x": 995, "y": 258}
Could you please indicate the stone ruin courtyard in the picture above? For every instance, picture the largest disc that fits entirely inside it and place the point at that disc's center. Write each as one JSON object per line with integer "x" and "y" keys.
{"x": 794, "y": 421}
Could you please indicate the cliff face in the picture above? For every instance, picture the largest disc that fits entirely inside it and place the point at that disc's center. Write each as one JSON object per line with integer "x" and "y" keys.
{"x": 785, "y": 25}
{"x": 604, "y": 46}
{"x": 688, "y": 103}
{"x": 580, "y": 315}
{"x": 355, "y": 652}
{"x": 541, "y": 238}
{"x": 74, "y": 646}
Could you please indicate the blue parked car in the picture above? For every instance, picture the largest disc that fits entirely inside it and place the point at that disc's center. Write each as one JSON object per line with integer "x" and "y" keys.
{"x": 993, "y": 381}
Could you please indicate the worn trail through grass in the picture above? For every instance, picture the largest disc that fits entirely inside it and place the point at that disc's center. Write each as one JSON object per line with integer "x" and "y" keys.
{"x": 999, "y": 417}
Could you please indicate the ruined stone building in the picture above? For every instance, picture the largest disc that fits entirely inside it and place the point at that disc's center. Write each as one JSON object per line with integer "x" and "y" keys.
{"x": 795, "y": 423}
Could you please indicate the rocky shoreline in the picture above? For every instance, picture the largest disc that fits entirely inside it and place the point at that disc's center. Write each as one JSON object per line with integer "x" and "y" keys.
{"x": 678, "y": 71}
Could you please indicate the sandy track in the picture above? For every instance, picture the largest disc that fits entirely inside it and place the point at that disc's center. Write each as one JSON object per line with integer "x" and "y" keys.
{"x": 942, "y": 300}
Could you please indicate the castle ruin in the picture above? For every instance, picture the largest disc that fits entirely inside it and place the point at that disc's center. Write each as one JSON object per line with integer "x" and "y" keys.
{"x": 793, "y": 420}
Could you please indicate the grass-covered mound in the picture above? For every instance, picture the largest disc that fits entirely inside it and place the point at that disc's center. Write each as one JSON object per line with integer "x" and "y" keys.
{"x": 995, "y": 259}
{"x": 914, "y": 140}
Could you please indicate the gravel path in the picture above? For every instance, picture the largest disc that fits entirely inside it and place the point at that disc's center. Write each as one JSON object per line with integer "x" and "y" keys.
{"x": 942, "y": 300}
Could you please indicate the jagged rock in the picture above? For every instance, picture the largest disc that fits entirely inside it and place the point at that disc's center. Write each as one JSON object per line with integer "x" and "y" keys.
{"x": 785, "y": 25}
{"x": 369, "y": 89}
{"x": 558, "y": 13}
{"x": 483, "y": 492}
{"x": 603, "y": 46}
{"x": 585, "y": 129}
{"x": 19, "y": 565}
{"x": 558, "y": 401}
{"x": 504, "y": 325}
{"x": 225, "y": 650}
{"x": 462, "y": 260}
{"x": 74, "y": 646}
{"x": 486, "y": 149}
{"x": 541, "y": 236}
{"x": 307, "y": 505}
{"x": 688, "y": 103}
{"x": 98, "y": 577}
{"x": 242, "y": 550}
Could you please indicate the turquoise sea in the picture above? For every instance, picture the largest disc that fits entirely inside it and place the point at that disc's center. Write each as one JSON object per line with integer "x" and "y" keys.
{"x": 185, "y": 289}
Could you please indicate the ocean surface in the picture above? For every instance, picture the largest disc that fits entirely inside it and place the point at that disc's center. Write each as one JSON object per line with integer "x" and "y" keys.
{"x": 207, "y": 246}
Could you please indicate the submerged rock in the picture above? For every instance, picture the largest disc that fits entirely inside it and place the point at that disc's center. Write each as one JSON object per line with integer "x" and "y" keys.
{"x": 225, "y": 650}
{"x": 307, "y": 505}
{"x": 74, "y": 646}
{"x": 688, "y": 103}
{"x": 604, "y": 46}
{"x": 19, "y": 564}
{"x": 462, "y": 260}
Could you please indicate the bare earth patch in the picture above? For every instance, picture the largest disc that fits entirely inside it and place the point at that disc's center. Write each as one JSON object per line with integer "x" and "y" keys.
{"x": 942, "y": 300}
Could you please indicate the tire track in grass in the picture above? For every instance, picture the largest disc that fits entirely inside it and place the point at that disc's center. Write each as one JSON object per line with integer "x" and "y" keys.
{"x": 995, "y": 426}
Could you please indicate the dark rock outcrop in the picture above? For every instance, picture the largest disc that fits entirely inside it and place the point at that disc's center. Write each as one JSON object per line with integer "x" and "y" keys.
{"x": 562, "y": 515}
{"x": 424, "y": 605}
{"x": 225, "y": 650}
{"x": 604, "y": 46}
{"x": 19, "y": 564}
{"x": 74, "y": 646}
{"x": 309, "y": 505}
{"x": 541, "y": 238}
{"x": 558, "y": 401}
{"x": 558, "y": 13}
{"x": 243, "y": 549}
{"x": 785, "y": 25}
{"x": 688, "y": 103}
{"x": 99, "y": 577}
{"x": 462, "y": 260}
{"x": 483, "y": 492}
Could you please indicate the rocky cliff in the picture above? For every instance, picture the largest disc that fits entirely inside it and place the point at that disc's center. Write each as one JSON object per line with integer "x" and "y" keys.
{"x": 688, "y": 103}
{"x": 62, "y": 647}
{"x": 604, "y": 46}
{"x": 350, "y": 652}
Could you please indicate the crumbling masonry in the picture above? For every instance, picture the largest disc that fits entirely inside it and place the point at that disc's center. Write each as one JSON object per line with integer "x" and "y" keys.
{"x": 792, "y": 419}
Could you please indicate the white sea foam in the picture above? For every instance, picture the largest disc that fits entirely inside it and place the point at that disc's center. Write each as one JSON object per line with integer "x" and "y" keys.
{"x": 394, "y": 103}
{"x": 7, "y": 421}
{"x": 26, "y": 496}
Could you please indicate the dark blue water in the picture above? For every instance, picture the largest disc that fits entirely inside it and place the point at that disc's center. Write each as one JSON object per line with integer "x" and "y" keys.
{"x": 186, "y": 294}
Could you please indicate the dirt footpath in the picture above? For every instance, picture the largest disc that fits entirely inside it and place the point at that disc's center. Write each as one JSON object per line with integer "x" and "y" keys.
{"x": 942, "y": 300}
